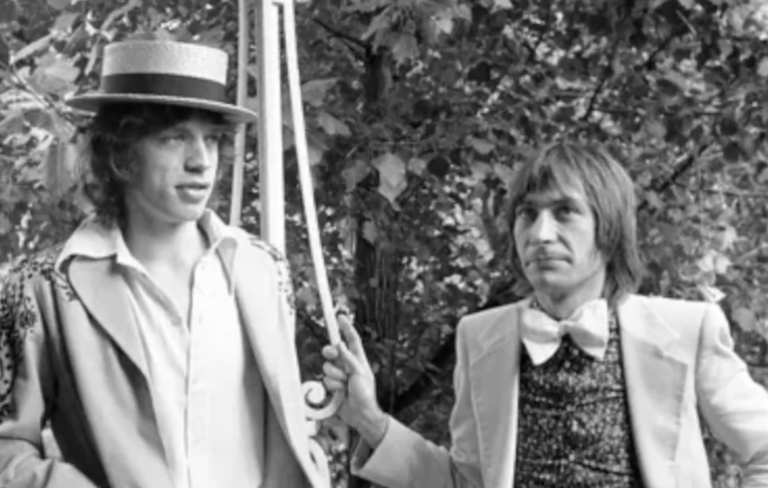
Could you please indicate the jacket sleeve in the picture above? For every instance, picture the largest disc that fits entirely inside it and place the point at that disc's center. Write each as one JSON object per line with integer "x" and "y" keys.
{"x": 26, "y": 382}
{"x": 404, "y": 459}
{"x": 733, "y": 404}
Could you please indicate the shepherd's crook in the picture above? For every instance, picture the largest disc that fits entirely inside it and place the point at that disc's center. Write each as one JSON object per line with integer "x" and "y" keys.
{"x": 271, "y": 175}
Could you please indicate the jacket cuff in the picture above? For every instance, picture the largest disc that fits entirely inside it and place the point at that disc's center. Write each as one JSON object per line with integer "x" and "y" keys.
{"x": 385, "y": 464}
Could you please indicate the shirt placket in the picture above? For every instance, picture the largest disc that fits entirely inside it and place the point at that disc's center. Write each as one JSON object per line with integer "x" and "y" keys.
{"x": 198, "y": 401}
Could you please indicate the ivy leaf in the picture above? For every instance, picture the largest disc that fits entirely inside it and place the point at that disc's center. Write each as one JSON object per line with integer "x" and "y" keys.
{"x": 763, "y": 176}
{"x": 355, "y": 173}
{"x": 656, "y": 129}
{"x": 481, "y": 145}
{"x": 56, "y": 76}
{"x": 714, "y": 261}
{"x": 417, "y": 166}
{"x": 59, "y": 172}
{"x": 314, "y": 91}
{"x": 307, "y": 297}
{"x": 726, "y": 238}
{"x": 654, "y": 200}
{"x": 404, "y": 48}
{"x": 746, "y": 319}
{"x": 370, "y": 232}
{"x": 8, "y": 11}
{"x": 12, "y": 122}
{"x": 64, "y": 21}
{"x": 444, "y": 22}
{"x": 464, "y": 12}
{"x": 392, "y": 175}
{"x": 59, "y": 4}
{"x": 331, "y": 125}
{"x": 762, "y": 67}
{"x": 710, "y": 293}
{"x": 505, "y": 173}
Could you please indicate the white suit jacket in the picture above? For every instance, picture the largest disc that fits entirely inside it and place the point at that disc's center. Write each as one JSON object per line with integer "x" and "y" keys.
{"x": 678, "y": 363}
{"x": 79, "y": 361}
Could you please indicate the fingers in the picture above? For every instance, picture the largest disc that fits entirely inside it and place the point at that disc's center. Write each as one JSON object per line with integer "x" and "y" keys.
{"x": 334, "y": 378}
{"x": 353, "y": 363}
{"x": 334, "y": 372}
{"x": 330, "y": 352}
{"x": 351, "y": 337}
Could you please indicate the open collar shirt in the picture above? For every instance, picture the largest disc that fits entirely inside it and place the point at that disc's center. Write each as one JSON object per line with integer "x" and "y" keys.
{"x": 207, "y": 395}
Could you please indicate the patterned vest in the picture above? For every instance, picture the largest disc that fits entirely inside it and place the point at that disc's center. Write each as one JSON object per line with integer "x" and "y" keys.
{"x": 573, "y": 428}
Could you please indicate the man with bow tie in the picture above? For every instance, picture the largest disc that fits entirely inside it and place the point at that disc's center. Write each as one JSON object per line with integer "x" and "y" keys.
{"x": 583, "y": 383}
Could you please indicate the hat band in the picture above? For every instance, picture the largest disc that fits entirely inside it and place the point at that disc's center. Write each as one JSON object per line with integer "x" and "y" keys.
{"x": 164, "y": 85}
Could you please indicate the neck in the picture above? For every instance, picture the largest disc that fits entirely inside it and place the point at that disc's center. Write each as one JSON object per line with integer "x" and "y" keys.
{"x": 561, "y": 304}
{"x": 156, "y": 243}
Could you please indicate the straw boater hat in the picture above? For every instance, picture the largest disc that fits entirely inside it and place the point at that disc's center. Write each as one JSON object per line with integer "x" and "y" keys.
{"x": 165, "y": 72}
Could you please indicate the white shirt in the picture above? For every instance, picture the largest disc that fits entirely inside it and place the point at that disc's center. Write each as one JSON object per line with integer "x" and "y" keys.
{"x": 206, "y": 390}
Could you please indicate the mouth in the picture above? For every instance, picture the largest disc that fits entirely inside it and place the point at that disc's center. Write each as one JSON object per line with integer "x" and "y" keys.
{"x": 193, "y": 192}
{"x": 543, "y": 259}
{"x": 193, "y": 186}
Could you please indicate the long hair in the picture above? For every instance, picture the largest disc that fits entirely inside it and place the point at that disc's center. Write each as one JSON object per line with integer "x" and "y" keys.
{"x": 610, "y": 194}
{"x": 112, "y": 161}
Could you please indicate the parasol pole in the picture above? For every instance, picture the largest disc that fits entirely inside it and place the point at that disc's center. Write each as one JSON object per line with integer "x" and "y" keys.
{"x": 242, "y": 92}
{"x": 271, "y": 191}
{"x": 271, "y": 184}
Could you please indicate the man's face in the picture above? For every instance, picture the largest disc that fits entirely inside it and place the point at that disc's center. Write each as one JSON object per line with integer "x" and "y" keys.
{"x": 554, "y": 236}
{"x": 176, "y": 173}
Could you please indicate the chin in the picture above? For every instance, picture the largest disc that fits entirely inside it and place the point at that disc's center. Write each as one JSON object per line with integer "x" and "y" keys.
{"x": 187, "y": 215}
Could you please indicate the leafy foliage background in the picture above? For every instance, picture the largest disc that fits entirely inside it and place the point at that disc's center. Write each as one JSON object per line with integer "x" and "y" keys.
{"x": 419, "y": 112}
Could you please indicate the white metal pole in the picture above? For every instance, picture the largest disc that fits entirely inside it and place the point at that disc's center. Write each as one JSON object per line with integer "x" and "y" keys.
{"x": 236, "y": 203}
{"x": 271, "y": 191}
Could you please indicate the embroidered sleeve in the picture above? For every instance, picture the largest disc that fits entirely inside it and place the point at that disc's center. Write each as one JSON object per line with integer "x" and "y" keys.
{"x": 284, "y": 283}
{"x": 18, "y": 316}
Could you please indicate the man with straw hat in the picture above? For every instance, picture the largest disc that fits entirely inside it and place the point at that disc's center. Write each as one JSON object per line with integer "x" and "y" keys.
{"x": 157, "y": 340}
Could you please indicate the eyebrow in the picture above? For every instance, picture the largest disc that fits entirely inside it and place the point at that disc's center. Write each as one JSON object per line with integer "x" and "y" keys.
{"x": 545, "y": 201}
{"x": 217, "y": 129}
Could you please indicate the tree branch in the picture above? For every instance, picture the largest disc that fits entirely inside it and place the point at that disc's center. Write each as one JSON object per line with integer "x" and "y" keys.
{"x": 681, "y": 168}
{"x": 595, "y": 94}
{"x": 341, "y": 35}
{"x": 650, "y": 64}
{"x": 730, "y": 193}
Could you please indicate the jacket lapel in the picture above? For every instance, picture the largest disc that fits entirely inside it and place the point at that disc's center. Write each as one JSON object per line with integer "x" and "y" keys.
{"x": 258, "y": 300}
{"x": 495, "y": 384}
{"x": 104, "y": 294}
{"x": 655, "y": 379}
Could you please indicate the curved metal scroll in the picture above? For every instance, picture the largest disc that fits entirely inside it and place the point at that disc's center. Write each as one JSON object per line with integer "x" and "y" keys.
{"x": 314, "y": 392}
{"x": 319, "y": 406}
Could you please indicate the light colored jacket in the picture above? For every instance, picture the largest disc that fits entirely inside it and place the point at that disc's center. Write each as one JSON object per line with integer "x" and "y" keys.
{"x": 69, "y": 352}
{"x": 678, "y": 362}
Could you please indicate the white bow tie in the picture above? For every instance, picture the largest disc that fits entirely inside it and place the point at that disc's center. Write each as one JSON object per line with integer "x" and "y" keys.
{"x": 587, "y": 326}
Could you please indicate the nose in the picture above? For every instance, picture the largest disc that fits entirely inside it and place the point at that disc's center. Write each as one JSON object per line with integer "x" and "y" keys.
{"x": 198, "y": 157}
{"x": 543, "y": 228}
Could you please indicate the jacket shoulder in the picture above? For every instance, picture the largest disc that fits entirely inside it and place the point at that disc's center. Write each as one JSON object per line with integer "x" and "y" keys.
{"x": 20, "y": 313}
{"x": 677, "y": 313}
{"x": 254, "y": 244}
{"x": 33, "y": 271}
{"x": 266, "y": 251}
{"x": 489, "y": 326}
